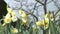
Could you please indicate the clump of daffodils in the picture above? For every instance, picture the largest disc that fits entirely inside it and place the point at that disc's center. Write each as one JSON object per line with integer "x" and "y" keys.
{"x": 13, "y": 14}
{"x": 10, "y": 16}
{"x": 24, "y": 17}
{"x": 14, "y": 30}
{"x": 43, "y": 23}
{"x": 46, "y": 20}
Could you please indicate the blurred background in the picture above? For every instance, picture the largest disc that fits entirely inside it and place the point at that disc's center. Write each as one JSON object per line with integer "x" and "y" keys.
{"x": 34, "y": 6}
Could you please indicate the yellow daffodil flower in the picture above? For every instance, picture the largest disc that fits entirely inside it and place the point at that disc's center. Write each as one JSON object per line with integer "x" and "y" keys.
{"x": 46, "y": 23}
{"x": 39, "y": 23}
{"x": 24, "y": 17}
{"x": 7, "y": 18}
{"x": 22, "y": 13}
{"x": 49, "y": 16}
{"x": 8, "y": 15}
{"x": 25, "y": 21}
{"x": 15, "y": 30}
{"x": 13, "y": 13}
{"x": 14, "y": 18}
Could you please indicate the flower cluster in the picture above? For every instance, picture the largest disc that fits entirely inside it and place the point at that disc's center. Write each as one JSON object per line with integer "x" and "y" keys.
{"x": 10, "y": 16}
{"x": 45, "y": 23}
{"x": 50, "y": 15}
{"x": 24, "y": 17}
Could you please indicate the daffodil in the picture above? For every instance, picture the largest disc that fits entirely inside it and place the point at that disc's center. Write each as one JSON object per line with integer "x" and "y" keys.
{"x": 39, "y": 23}
{"x": 7, "y": 18}
{"x": 13, "y": 13}
{"x": 8, "y": 15}
{"x": 9, "y": 9}
{"x": 49, "y": 16}
{"x": 25, "y": 21}
{"x": 46, "y": 23}
{"x": 22, "y": 13}
{"x": 14, "y": 18}
{"x": 15, "y": 30}
{"x": 24, "y": 17}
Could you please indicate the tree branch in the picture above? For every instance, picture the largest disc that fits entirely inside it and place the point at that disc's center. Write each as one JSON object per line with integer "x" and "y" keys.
{"x": 39, "y": 2}
{"x": 45, "y": 10}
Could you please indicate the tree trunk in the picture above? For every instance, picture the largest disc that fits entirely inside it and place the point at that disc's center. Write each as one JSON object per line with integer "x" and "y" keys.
{"x": 3, "y": 10}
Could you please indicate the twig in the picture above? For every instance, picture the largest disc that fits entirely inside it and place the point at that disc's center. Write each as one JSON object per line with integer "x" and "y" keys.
{"x": 39, "y": 2}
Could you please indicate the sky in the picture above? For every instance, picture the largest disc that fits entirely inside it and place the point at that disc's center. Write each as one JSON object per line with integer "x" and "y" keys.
{"x": 29, "y": 5}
